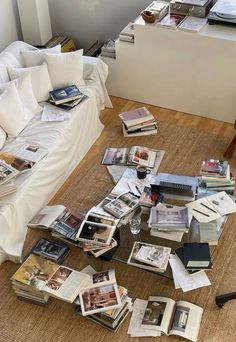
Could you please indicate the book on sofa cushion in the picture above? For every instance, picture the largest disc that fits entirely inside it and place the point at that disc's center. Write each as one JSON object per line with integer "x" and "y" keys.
{"x": 65, "y": 94}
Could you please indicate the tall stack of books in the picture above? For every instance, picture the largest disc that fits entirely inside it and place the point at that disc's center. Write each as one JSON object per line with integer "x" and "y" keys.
{"x": 67, "y": 97}
{"x": 138, "y": 122}
{"x": 109, "y": 49}
{"x": 216, "y": 176}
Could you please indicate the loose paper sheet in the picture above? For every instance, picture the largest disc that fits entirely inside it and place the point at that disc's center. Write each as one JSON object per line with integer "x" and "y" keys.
{"x": 53, "y": 114}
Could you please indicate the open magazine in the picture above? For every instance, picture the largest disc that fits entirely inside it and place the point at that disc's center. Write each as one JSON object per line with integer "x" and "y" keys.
{"x": 172, "y": 318}
{"x": 122, "y": 205}
{"x": 63, "y": 221}
{"x": 136, "y": 155}
{"x": 7, "y": 172}
{"x": 101, "y": 294}
{"x": 45, "y": 275}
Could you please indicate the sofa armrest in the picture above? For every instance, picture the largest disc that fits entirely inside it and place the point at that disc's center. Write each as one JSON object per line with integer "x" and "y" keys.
{"x": 94, "y": 69}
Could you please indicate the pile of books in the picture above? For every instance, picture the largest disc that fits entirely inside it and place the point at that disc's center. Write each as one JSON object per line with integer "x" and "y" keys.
{"x": 216, "y": 176}
{"x": 169, "y": 221}
{"x": 109, "y": 48}
{"x": 149, "y": 257}
{"x": 127, "y": 34}
{"x": 96, "y": 232}
{"x": 67, "y": 97}
{"x": 104, "y": 302}
{"x": 158, "y": 315}
{"x": 138, "y": 122}
{"x": 159, "y": 8}
{"x": 38, "y": 278}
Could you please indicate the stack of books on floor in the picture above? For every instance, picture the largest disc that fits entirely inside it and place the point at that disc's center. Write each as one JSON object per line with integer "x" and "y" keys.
{"x": 104, "y": 302}
{"x": 149, "y": 257}
{"x": 96, "y": 232}
{"x": 50, "y": 249}
{"x": 138, "y": 122}
{"x": 127, "y": 34}
{"x": 67, "y": 97}
{"x": 169, "y": 221}
{"x": 38, "y": 278}
{"x": 216, "y": 176}
{"x": 94, "y": 50}
{"x": 109, "y": 49}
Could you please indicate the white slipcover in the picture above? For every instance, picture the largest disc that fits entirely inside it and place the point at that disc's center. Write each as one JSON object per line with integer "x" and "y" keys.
{"x": 67, "y": 142}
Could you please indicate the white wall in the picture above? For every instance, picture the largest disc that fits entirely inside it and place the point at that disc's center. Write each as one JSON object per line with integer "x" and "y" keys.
{"x": 9, "y": 23}
{"x": 89, "y": 20}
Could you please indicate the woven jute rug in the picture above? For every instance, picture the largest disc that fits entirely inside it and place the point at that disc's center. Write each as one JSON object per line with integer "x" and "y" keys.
{"x": 185, "y": 149}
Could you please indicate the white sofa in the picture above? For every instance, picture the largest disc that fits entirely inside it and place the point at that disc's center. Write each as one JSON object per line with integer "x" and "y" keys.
{"x": 67, "y": 142}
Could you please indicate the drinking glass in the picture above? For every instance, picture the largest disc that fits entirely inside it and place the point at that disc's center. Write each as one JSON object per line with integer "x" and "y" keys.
{"x": 135, "y": 222}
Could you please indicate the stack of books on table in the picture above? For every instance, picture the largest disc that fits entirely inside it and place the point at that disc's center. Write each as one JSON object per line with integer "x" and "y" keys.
{"x": 127, "y": 34}
{"x": 67, "y": 97}
{"x": 159, "y": 8}
{"x": 159, "y": 315}
{"x": 96, "y": 232}
{"x": 138, "y": 122}
{"x": 109, "y": 49}
{"x": 216, "y": 176}
{"x": 195, "y": 256}
{"x": 169, "y": 221}
{"x": 38, "y": 278}
{"x": 149, "y": 257}
{"x": 104, "y": 302}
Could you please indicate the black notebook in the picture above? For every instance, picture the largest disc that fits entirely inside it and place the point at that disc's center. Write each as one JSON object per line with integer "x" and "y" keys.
{"x": 196, "y": 256}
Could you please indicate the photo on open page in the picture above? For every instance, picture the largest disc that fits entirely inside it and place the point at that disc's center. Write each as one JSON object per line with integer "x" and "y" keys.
{"x": 94, "y": 232}
{"x": 115, "y": 156}
{"x": 68, "y": 223}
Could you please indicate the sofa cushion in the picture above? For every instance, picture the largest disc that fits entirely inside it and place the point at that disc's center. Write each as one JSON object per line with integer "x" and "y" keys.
{"x": 14, "y": 116}
{"x": 65, "y": 68}
{"x": 3, "y": 74}
{"x": 25, "y": 90}
{"x": 39, "y": 77}
{"x": 37, "y": 57}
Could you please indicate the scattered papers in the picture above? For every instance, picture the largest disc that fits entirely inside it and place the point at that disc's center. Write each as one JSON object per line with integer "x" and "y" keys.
{"x": 185, "y": 280}
{"x": 52, "y": 114}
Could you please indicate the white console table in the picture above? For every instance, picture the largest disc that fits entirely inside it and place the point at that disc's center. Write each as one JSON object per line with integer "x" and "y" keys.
{"x": 185, "y": 71}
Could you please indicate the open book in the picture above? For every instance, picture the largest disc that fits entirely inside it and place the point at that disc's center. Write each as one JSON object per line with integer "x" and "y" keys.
{"x": 101, "y": 294}
{"x": 172, "y": 318}
{"x": 122, "y": 205}
{"x": 7, "y": 172}
{"x": 47, "y": 276}
{"x": 59, "y": 219}
{"x": 136, "y": 155}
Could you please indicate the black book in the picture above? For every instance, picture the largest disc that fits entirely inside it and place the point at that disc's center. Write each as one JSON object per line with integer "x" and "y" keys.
{"x": 196, "y": 256}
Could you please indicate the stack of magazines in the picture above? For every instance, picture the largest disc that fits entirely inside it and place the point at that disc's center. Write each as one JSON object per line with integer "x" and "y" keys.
{"x": 138, "y": 122}
{"x": 67, "y": 97}
{"x": 104, "y": 302}
{"x": 127, "y": 34}
{"x": 216, "y": 176}
{"x": 109, "y": 49}
{"x": 149, "y": 257}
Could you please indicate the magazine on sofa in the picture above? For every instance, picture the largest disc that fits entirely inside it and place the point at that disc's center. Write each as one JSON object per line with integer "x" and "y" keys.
{"x": 45, "y": 275}
{"x": 18, "y": 163}
{"x": 172, "y": 317}
{"x": 61, "y": 220}
{"x": 7, "y": 172}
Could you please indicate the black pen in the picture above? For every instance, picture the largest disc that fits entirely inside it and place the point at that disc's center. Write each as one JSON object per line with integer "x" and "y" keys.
{"x": 136, "y": 187}
{"x": 200, "y": 212}
{"x": 204, "y": 205}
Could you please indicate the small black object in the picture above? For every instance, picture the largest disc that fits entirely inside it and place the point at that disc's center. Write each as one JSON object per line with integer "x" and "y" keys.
{"x": 224, "y": 298}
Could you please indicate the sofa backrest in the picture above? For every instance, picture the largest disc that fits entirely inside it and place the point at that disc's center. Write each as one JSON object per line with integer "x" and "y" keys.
{"x": 11, "y": 56}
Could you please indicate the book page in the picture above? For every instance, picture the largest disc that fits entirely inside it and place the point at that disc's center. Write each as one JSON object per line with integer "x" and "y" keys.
{"x": 222, "y": 203}
{"x": 142, "y": 156}
{"x": 158, "y": 313}
{"x": 46, "y": 216}
{"x": 31, "y": 152}
{"x": 187, "y": 319}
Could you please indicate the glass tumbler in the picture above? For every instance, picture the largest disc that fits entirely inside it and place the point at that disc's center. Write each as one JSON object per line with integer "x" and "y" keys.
{"x": 135, "y": 222}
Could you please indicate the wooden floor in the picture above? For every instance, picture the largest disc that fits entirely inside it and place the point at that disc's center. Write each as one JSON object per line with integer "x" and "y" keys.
{"x": 57, "y": 323}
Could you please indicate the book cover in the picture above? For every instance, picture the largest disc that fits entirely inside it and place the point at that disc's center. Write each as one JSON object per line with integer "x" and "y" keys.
{"x": 50, "y": 249}
{"x": 196, "y": 255}
{"x": 172, "y": 20}
{"x": 64, "y": 94}
{"x": 136, "y": 116}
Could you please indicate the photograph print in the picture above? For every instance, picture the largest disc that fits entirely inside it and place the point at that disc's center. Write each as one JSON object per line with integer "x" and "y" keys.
{"x": 154, "y": 313}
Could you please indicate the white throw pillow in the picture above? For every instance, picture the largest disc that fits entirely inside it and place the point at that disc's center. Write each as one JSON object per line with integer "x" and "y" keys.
{"x": 14, "y": 116}
{"x": 3, "y": 137}
{"x": 65, "y": 68}
{"x": 3, "y": 73}
{"x": 40, "y": 80}
{"x": 37, "y": 57}
{"x": 25, "y": 90}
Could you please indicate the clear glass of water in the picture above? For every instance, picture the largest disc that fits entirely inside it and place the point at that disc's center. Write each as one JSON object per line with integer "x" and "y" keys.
{"x": 135, "y": 222}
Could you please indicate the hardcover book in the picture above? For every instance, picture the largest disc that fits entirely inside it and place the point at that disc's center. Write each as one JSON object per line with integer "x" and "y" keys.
{"x": 67, "y": 93}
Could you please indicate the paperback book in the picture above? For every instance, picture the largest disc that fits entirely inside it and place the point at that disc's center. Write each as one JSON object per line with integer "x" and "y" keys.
{"x": 65, "y": 94}
{"x": 179, "y": 318}
{"x": 50, "y": 249}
